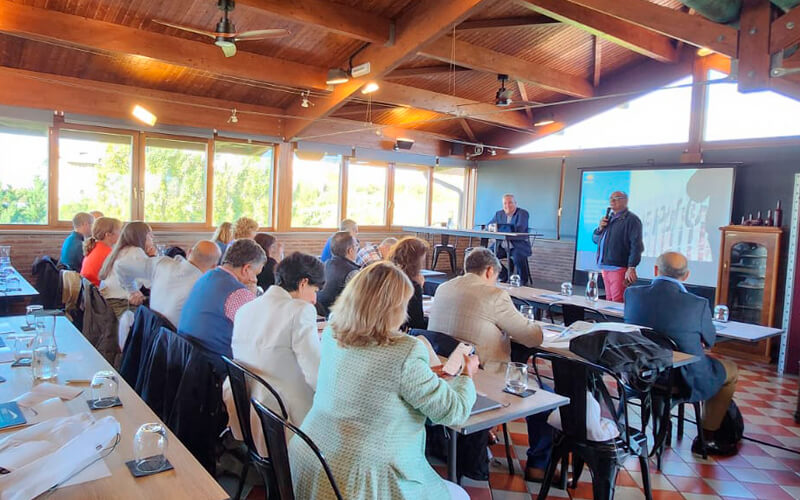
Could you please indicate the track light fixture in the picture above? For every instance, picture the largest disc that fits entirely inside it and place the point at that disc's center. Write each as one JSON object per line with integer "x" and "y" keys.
{"x": 233, "y": 118}
{"x": 336, "y": 76}
{"x": 305, "y": 102}
{"x": 544, "y": 119}
{"x": 503, "y": 96}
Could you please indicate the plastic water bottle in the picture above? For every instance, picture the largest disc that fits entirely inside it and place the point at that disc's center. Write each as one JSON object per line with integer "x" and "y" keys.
{"x": 592, "y": 291}
{"x": 45, "y": 351}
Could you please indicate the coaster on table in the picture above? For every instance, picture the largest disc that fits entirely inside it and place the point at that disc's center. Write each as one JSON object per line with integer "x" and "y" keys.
{"x": 139, "y": 473}
{"x": 111, "y": 403}
{"x": 27, "y": 328}
{"x": 21, "y": 362}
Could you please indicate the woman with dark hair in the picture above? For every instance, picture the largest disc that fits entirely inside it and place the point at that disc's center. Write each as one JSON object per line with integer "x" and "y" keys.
{"x": 409, "y": 254}
{"x": 276, "y": 337}
{"x": 134, "y": 247}
{"x": 274, "y": 253}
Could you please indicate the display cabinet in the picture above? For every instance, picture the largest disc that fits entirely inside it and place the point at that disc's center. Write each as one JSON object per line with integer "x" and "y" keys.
{"x": 747, "y": 283}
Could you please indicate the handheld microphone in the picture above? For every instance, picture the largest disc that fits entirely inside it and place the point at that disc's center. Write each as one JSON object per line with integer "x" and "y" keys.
{"x": 608, "y": 212}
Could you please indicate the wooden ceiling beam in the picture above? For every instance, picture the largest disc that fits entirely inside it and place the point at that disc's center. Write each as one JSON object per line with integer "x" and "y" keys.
{"x": 467, "y": 130}
{"x": 623, "y": 33}
{"x": 330, "y": 16}
{"x": 507, "y": 22}
{"x": 35, "y": 23}
{"x": 523, "y": 94}
{"x": 439, "y": 69}
{"x": 785, "y": 31}
{"x": 90, "y": 97}
{"x": 403, "y": 95}
{"x": 754, "y": 58}
{"x": 420, "y": 24}
{"x": 692, "y": 29}
{"x": 490, "y": 61}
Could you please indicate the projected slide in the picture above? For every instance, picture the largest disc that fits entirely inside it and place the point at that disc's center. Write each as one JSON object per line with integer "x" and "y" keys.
{"x": 680, "y": 209}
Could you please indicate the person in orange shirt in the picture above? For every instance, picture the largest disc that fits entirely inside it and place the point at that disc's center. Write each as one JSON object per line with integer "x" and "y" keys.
{"x": 105, "y": 233}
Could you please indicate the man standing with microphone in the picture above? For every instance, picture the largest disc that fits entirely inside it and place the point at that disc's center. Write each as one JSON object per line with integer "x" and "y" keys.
{"x": 619, "y": 246}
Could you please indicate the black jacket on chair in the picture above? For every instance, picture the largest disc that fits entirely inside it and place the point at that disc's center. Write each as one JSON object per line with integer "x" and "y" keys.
{"x": 146, "y": 325}
{"x": 336, "y": 272}
{"x": 48, "y": 282}
{"x": 100, "y": 325}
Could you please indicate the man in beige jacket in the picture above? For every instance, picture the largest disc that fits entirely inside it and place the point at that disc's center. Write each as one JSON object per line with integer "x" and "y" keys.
{"x": 472, "y": 308}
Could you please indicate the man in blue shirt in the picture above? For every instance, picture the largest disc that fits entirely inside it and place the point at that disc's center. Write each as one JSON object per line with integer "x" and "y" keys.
{"x": 72, "y": 249}
{"x": 348, "y": 225}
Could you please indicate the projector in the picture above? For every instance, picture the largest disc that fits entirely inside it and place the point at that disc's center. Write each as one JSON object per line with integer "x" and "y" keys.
{"x": 360, "y": 70}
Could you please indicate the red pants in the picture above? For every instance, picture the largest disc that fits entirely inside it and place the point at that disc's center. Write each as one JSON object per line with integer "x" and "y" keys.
{"x": 615, "y": 285}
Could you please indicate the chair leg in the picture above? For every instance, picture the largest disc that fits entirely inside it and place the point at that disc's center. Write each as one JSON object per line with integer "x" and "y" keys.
{"x": 699, "y": 419}
{"x": 604, "y": 479}
{"x": 435, "y": 258}
{"x": 508, "y": 449}
{"x": 680, "y": 421}
{"x": 564, "y": 467}
{"x": 645, "y": 470}
{"x": 577, "y": 470}
{"x": 549, "y": 472}
{"x": 242, "y": 479}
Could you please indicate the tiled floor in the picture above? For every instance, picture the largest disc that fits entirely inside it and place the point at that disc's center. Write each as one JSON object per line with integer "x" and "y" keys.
{"x": 767, "y": 403}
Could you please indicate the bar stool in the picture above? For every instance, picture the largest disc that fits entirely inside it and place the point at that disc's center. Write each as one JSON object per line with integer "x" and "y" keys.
{"x": 447, "y": 248}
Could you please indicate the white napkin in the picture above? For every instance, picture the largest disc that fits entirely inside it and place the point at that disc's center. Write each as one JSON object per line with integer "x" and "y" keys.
{"x": 45, "y": 391}
{"x": 49, "y": 453}
{"x": 598, "y": 428}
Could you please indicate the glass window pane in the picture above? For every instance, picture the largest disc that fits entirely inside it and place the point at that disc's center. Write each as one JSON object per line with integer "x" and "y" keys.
{"x": 174, "y": 181}
{"x": 449, "y": 191}
{"x": 410, "y": 197}
{"x": 733, "y": 115}
{"x": 366, "y": 193}
{"x": 315, "y": 190}
{"x": 242, "y": 182}
{"x": 631, "y": 124}
{"x": 23, "y": 172}
{"x": 94, "y": 173}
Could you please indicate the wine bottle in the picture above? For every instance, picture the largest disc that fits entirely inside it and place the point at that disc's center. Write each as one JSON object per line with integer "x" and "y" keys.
{"x": 742, "y": 222}
{"x": 777, "y": 215}
{"x": 759, "y": 221}
{"x": 768, "y": 218}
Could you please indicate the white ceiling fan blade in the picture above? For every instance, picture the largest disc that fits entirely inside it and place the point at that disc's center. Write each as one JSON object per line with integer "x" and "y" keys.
{"x": 262, "y": 34}
{"x": 186, "y": 28}
{"x": 228, "y": 48}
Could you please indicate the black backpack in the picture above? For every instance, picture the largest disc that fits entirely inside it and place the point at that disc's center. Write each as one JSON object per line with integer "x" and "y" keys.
{"x": 637, "y": 359}
{"x": 731, "y": 430}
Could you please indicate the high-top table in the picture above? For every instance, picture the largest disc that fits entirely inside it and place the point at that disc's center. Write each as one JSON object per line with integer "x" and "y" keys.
{"x": 80, "y": 361}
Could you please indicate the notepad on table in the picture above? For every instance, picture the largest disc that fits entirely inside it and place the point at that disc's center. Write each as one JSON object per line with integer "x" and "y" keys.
{"x": 483, "y": 404}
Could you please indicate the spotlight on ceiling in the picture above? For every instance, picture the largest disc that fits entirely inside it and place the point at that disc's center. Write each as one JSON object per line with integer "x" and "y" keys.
{"x": 144, "y": 115}
{"x": 370, "y": 88}
{"x": 704, "y": 51}
{"x": 233, "y": 118}
{"x": 305, "y": 102}
{"x": 336, "y": 76}
{"x": 492, "y": 152}
{"x": 544, "y": 119}
{"x": 503, "y": 96}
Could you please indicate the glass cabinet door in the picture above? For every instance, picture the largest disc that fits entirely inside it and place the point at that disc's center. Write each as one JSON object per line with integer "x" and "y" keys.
{"x": 747, "y": 270}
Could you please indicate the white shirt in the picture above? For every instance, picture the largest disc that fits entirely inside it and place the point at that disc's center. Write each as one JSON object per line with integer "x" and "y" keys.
{"x": 275, "y": 336}
{"x": 118, "y": 285}
{"x": 170, "y": 280}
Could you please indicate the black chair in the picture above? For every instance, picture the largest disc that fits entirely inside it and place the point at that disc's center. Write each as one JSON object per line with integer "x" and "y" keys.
{"x": 447, "y": 248}
{"x": 574, "y": 312}
{"x": 444, "y": 345}
{"x": 238, "y": 377}
{"x": 146, "y": 324}
{"x": 274, "y": 428}
{"x": 668, "y": 393}
{"x": 573, "y": 378}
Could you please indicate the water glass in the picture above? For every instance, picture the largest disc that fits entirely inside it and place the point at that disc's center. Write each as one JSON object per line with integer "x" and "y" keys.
{"x": 105, "y": 389}
{"x": 517, "y": 377}
{"x": 30, "y": 315}
{"x": 722, "y": 313}
{"x": 44, "y": 360}
{"x": 161, "y": 249}
{"x": 492, "y": 228}
{"x": 5, "y": 255}
{"x": 528, "y": 311}
{"x": 566, "y": 289}
{"x": 13, "y": 284}
{"x": 592, "y": 287}
{"x": 23, "y": 346}
{"x": 150, "y": 447}
{"x": 515, "y": 280}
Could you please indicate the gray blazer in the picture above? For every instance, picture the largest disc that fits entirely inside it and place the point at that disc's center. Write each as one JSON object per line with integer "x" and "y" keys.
{"x": 686, "y": 319}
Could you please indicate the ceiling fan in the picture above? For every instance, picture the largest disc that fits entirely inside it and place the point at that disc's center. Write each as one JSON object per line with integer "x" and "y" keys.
{"x": 225, "y": 36}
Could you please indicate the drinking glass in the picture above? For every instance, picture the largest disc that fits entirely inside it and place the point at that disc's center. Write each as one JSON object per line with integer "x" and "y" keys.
{"x": 23, "y": 346}
{"x": 105, "y": 388}
{"x": 5, "y": 255}
{"x": 30, "y": 315}
{"x": 517, "y": 377}
{"x": 721, "y": 313}
{"x": 592, "y": 290}
{"x": 13, "y": 284}
{"x": 161, "y": 249}
{"x": 45, "y": 350}
{"x": 150, "y": 447}
{"x": 528, "y": 311}
{"x": 566, "y": 288}
{"x": 515, "y": 280}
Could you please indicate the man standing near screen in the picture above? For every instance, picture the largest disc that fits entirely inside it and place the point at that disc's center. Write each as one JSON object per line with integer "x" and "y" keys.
{"x": 512, "y": 219}
{"x": 619, "y": 246}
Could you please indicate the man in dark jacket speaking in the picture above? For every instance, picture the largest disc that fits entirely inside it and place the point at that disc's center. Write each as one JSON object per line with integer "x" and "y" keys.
{"x": 619, "y": 246}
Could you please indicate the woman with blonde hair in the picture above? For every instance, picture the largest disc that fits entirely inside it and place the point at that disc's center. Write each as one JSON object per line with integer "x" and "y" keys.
{"x": 375, "y": 390}
{"x": 245, "y": 228}
{"x": 222, "y": 236}
{"x": 410, "y": 255}
{"x": 105, "y": 233}
{"x": 134, "y": 247}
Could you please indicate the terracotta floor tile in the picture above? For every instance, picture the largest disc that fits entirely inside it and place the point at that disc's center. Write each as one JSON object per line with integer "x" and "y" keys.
{"x": 507, "y": 482}
{"x": 690, "y": 485}
{"x": 716, "y": 472}
{"x": 784, "y": 478}
{"x": 767, "y": 491}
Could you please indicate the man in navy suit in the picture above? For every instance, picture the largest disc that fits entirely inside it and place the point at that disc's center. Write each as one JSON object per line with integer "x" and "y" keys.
{"x": 665, "y": 306}
{"x": 512, "y": 219}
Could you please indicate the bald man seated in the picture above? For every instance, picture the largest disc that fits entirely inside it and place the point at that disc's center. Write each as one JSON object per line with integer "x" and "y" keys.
{"x": 665, "y": 306}
{"x": 173, "y": 278}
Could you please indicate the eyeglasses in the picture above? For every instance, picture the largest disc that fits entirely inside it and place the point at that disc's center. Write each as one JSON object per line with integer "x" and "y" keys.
{"x": 617, "y": 198}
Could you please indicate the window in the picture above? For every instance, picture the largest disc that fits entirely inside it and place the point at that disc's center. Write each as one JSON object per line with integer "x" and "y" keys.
{"x": 174, "y": 180}
{"x": 410, "y": 196}
{"x": 23, "y": 172}
{"x": 366, "y": 192}
{"x": 733, "y": 115}
{"x": 242, "y": 182}
{"x": 94, "y": 173}
{"x": 660, "y": 117}
{"x": 449, "y": 195}
{"x": 315, "y": 190}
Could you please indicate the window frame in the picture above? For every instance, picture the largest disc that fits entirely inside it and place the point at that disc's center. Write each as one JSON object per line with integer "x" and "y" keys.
{"x": 428, "y": 192}
{"x": 387, "y": 197}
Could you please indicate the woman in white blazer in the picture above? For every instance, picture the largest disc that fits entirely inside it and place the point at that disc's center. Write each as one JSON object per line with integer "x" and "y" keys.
{"x": 275, "y": 336}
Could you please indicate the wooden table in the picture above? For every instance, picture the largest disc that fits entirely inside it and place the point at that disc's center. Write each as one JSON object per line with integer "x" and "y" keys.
{"x": 188, "y": 480}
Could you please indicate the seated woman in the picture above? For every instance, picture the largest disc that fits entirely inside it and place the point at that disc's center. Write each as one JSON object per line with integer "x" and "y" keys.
{"x": 409, "y": 254}
{"x": 275, "y": 336}
{"x": 105, "y": 233}
{"x": 222, "y": 236}
{"x": 135, "y": 246}
{"x": 375, "y": 389}
{"x": 274, "y": 253}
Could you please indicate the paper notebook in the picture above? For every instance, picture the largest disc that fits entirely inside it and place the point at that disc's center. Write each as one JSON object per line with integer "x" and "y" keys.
{"x": 11, "y": 415}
